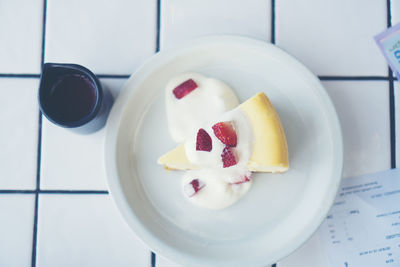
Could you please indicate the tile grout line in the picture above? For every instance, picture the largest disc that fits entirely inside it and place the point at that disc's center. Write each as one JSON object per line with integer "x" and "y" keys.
{"x": 388, "y": 14}
{"x": 74, "y": 192}
{"x": 392, "y": 123}
{"x": 53, "y": 191}
{"x": 39, "y": 150}
{"x": 36, "y": 211}
{"x": 35, "y": 218}
{"x": 273, "y": 41}
{"x": 391, "y": 97}
{"x": 34, "y": 242}
{"x": 153, "y": 259}
{"x": 158, "y": 25}
{"x": 34, "y": 75}
{"x": 273, "y": 21}
{"x": 43, "y": 32}
{"x": 153, "y": 256}
{"x": 19, "y": 75}
{"x": 354, "y": 78}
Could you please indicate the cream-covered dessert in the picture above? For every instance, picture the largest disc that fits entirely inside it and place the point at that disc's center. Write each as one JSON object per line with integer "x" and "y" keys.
{"x": 220, "y": 147}
{"x": 192, "y": 100}
{"x": 270, "y": 152}
{"x": 221, "y": 150}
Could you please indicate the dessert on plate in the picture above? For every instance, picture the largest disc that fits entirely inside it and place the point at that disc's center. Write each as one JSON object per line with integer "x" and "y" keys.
{"x": 270, "y": 153}
{"x": 220, "y": 142}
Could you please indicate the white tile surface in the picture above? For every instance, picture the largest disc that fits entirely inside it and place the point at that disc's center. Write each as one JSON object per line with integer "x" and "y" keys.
{"x": 19, "y": 115}
{"x": 395, "y": 9}
{"x": 333, "y": 37}
{"x": 363, "y": 110}
{"x": 85, "y": 230}
{"x": 74, "y": 161}
{"x": 163, "y": 262}
{"x": 105, "y": 36}
{"x": 397, "y": 120}
{"x": 16, "y": 225}
{"x": 21, "y": 31}
{"x": 183, "y": 20}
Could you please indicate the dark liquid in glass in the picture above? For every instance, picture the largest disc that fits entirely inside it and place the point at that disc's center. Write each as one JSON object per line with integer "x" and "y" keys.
{"x": 72, "y": 97}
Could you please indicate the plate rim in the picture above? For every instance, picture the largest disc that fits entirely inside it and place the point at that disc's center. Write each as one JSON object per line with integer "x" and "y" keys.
{"x": 113, "y": 124}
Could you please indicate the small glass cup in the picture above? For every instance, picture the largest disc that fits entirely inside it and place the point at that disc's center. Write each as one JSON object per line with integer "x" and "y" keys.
{"x": 71, "y": 96}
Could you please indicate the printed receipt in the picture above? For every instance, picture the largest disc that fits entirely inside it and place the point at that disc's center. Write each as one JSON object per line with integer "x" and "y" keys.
{"x": 363, "y": 225}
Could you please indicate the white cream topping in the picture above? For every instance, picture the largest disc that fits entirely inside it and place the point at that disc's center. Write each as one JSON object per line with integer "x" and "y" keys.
{"x": 212, "y": 159}
{"x": 209, "y": 100}
{"x": 220, "y": 190}
{"x": 217, "y": 193}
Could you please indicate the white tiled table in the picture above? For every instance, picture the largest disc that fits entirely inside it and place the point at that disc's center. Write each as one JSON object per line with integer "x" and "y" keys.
{"x": 54, "y": 203}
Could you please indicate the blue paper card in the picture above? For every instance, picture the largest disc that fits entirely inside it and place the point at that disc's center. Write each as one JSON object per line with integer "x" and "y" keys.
{"x": 389, "y": 43}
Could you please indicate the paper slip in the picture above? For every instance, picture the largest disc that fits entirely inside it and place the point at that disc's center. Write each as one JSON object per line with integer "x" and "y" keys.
{"x": 389, "y": 43}
{"x": 362, "y": 228}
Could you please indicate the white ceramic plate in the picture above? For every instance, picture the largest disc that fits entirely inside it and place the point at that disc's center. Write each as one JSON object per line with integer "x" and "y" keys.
{"x": 279, "y": 213}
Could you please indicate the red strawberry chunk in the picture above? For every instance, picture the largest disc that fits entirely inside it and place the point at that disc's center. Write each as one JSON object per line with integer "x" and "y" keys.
{"x": 184, "y": 88}
{"x": 226, "y": 133}
{"x": 203, "y": 141}
{"x": 244, "y": 179}
{"x": 229, "y": 157}
{"x": 193, "y": 187}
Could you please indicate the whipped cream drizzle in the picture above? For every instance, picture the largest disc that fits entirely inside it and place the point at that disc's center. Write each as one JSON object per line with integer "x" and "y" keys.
{"x": 202, "y": 108}
{"x": 210, "y": 99}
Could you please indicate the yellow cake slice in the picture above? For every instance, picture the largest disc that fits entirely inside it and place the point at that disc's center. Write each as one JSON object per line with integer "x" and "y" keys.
{"x": 176, "y": 159}
{"x": 270, "y": 152}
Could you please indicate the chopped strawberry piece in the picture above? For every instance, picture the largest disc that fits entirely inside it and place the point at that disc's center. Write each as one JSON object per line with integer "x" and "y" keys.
{"x": 226, "y": 133}
{"x": 244, "y": 179}
{"x": 193, "y": 187}
{"x": 184, "y": 88}
{"x": 203, "y": 141}
{"x": 229, "y": 157}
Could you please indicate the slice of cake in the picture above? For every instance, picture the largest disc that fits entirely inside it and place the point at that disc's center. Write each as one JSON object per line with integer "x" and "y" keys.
{"x": 176, "y": 159}
{"x": 270, "y": 153}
